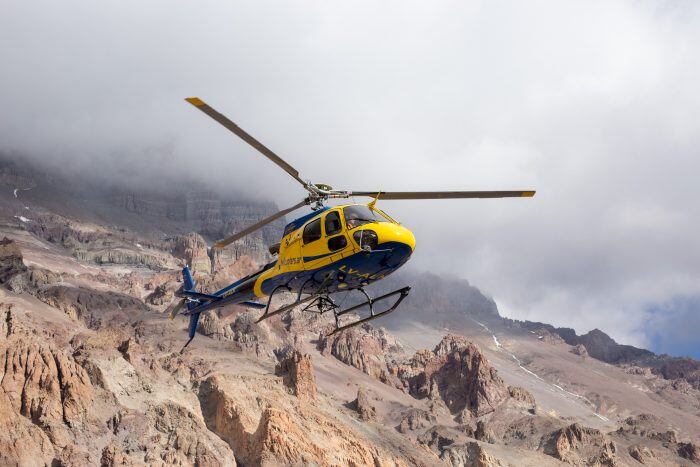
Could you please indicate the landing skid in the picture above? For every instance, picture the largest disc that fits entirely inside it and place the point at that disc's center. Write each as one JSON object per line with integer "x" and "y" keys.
{"x": 322, "y": 302}
{"x": 402, "y": 293}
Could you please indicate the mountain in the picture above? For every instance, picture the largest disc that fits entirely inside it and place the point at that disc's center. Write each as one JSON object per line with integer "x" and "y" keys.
{"x": 92, "y": 371}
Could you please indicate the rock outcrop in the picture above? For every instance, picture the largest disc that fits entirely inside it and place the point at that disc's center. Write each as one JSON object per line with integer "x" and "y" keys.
{"x": 681, "y": 369}
{"x": 192, "y": 249}
{"x": 167, "y": 434}
{"x": 648, "y": 426}
{"x": 470, "y": 454}
{"x": 641, "y": 454}
{"x": 298, "y": 372}
{"x": 161, "y": 295}
{"x": 522, "y": 397}
{"x": 11, "y": 262}
{"x": 576, "y": 444}
{"x": 242, "y": 329}
{"x": 21, "y": 441}
{"x": 94, "y": 308}
{"x": 484, "y": 433}
{"x": 439, "y": 437}
{"x": 579, "y": 350}
{"x": 363, "y": 405}
{"x": 689, "y": 451}
{"x": 177, "y": 436}
{"x": 44, "y": 384}
{"x": 457, "y": 373}
{"x": 265, "y": 428}
{"x": 368, "y": 349}
{"x": 415, "y": 419}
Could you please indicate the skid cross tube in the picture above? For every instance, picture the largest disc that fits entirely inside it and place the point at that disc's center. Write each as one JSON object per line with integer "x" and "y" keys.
{"x": 286, "y": 308}
{"x": 370, "y": 302}
{"x": 298, "y": 301}
{"x": 323, "y": 303}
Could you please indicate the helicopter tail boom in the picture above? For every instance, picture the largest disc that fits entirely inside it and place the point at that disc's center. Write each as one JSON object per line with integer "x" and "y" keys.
{"x": 198, "y": 302}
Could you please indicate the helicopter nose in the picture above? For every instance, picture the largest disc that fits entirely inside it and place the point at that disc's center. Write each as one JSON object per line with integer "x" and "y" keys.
{"x": 395, "y": 233}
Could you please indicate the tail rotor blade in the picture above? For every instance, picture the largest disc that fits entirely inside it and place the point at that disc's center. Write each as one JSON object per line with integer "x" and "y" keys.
{"x": 176, "y": 309}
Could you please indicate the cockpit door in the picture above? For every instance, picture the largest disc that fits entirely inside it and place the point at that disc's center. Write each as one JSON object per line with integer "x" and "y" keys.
{"x": 322, "y": 239}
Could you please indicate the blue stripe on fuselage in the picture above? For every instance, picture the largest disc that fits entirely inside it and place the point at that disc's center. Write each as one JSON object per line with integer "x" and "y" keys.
{"x": 314, "y": 258}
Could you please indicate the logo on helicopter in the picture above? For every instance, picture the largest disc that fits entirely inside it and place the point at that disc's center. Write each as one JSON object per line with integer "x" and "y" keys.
{"x": 288, "y": 261}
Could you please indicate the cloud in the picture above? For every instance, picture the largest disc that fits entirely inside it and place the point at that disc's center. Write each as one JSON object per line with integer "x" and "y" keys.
{"x": 673, "y": 327}
{"x": 594, "y": 105}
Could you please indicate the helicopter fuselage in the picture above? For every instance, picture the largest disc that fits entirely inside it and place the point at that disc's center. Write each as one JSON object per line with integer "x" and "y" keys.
{"x": 359, "y": 245}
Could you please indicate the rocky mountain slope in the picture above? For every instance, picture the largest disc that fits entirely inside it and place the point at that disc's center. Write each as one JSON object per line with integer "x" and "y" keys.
{"x": 455, "y": 304}
{"x": 92, "y": 373}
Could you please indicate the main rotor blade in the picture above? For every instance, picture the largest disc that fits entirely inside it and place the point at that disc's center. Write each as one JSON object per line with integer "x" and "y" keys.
{"x": 254, "y": 227}
{"x": 397, "y": 195}
{"x": 201, "y": 105}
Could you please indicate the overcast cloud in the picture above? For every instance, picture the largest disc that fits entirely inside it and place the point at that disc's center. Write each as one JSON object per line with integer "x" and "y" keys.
{"x": 595, "y": 104}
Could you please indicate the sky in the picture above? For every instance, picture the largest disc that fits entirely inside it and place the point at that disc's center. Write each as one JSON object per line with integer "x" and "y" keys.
{"x": 593, "y": 104}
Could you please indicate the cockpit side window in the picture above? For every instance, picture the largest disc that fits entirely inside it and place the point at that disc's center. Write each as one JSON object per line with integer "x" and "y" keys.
{"x": 333, "y": 225}
{"x": 312, "y": 231}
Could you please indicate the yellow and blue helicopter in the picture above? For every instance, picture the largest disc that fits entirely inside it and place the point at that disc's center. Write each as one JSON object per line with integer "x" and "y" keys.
{"x": 329, "y": 250}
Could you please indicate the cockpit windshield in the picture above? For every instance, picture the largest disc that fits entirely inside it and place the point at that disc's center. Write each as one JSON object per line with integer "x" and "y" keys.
{"x": 359, "y": 215}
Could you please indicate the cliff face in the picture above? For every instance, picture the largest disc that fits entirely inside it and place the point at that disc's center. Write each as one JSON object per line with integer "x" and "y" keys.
{"x": 145, "y": 210}
{"x": 211, "y": 216}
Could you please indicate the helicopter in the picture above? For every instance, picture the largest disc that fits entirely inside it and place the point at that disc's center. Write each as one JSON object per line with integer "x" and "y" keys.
{"x": 329, "y": 250}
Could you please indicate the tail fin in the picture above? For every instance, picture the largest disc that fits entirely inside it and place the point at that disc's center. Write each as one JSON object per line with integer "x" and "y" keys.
{"x": 189, "y": 284}
{"x": 187, "y": 279}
